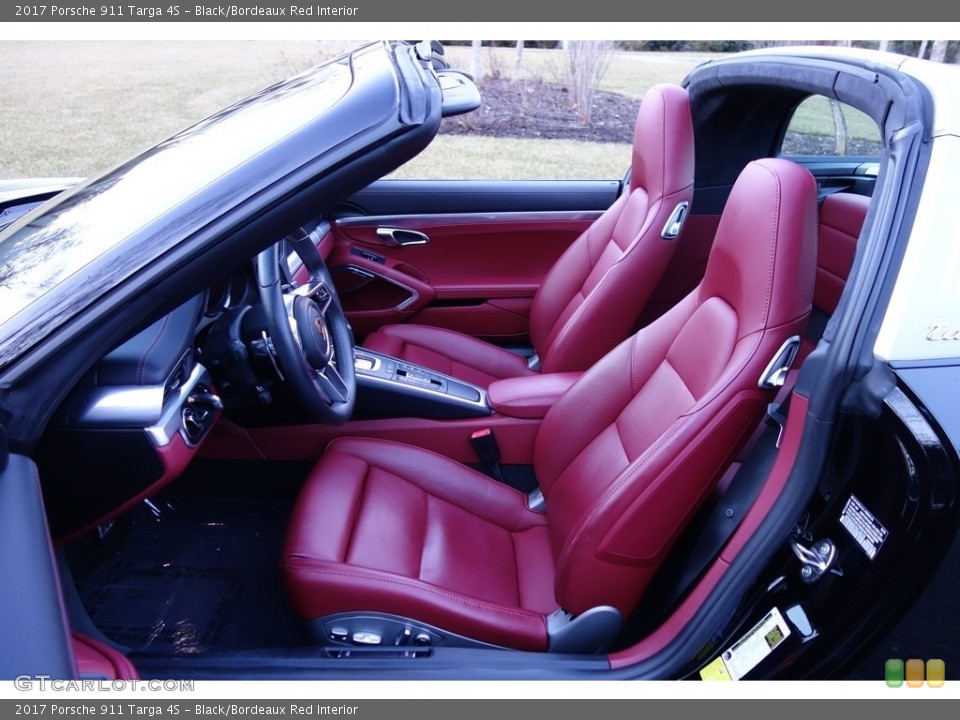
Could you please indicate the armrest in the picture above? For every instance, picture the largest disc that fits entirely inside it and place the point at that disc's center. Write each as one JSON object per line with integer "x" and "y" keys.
{"x": 529, "y": 397}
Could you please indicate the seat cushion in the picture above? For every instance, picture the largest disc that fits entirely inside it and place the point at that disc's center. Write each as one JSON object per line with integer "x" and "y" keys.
{"x": 448, "y": 352}
{"x": 386, "y": 527}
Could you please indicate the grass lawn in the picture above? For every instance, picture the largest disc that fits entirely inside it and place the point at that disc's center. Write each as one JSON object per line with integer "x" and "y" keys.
{"x": 464, "y": 157}
{"x": 629, "y": 73}
{"x": 78, "y": 108}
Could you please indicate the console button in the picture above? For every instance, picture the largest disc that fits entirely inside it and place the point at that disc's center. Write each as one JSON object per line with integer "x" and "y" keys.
{"x": 463, "y": 391}
{"x": 362, "y": 637}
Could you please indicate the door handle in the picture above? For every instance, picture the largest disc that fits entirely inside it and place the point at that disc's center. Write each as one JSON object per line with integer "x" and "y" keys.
{"x": 399, "y": 237}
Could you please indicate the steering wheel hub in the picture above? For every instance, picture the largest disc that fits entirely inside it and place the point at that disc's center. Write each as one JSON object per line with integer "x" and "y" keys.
{"x": 313, "y": 333}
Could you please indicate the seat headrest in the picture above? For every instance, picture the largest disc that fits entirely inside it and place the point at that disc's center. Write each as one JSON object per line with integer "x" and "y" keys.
{"x": 663, "y": 142}
{"x": 764, "y": 254}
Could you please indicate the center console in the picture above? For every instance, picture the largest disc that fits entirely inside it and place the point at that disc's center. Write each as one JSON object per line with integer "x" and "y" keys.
{"x": 388, "y": 387}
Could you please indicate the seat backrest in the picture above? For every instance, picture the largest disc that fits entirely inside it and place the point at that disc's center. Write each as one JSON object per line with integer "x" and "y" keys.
{"x": 841, "y": 220}
{"x": 593, "y": 295}
{"x": 627, "y": 454}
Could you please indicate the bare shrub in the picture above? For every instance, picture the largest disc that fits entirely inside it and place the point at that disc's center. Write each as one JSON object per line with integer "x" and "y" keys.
{"x": 587, "y": 63}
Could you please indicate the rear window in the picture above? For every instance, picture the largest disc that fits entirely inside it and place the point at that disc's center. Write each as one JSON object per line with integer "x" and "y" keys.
{"x": 824, "y": 127}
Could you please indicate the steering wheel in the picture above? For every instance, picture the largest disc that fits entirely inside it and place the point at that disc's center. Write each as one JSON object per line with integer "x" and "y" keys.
{"x": 311, "y": 336}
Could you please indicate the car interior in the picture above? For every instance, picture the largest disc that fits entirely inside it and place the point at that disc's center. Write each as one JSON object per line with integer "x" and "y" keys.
{"x": 482, "y": 416}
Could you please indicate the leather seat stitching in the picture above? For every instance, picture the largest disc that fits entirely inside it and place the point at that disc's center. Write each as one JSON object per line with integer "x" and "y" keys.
{"x": 438, "y": 350}
{"x": 356, "y": 510}
{"x": 143, "y": 358}
{"x": 423, "y": 586}
{"x": 571, "y": 321}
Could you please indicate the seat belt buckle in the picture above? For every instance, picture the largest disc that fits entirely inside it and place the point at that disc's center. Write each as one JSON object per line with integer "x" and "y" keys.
{"x": 488, "y": 451}
{"x": 777, "y": 416}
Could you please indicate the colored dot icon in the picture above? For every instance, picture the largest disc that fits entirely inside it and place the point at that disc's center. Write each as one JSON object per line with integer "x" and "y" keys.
{"x": 914, "y": 672}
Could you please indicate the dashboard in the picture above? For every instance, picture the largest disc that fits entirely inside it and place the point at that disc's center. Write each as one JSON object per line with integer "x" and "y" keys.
{"x": 228, "y": 293}
{"x": 131, "y": 426}
{"x": 138, "y": 418}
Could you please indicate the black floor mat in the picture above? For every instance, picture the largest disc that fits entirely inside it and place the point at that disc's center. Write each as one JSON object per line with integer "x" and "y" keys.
{"x": 203, "y": 577}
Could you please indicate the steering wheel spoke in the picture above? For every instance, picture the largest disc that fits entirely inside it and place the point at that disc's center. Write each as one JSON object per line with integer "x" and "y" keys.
{"x": 332, "y": 384}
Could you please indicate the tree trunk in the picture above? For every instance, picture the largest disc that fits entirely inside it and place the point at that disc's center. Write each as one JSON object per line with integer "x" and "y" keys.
{"x": 476, "y": 60}
{"x": 517, "y": 60}
{"x": 923, "y": 49}
{"x": 884, "y": 46}
{"x": 939, "y": 51}
{"x": 840, "y": 125}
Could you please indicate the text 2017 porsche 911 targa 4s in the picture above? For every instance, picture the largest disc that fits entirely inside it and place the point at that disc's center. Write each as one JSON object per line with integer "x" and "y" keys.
{"x": 267, "y": 414}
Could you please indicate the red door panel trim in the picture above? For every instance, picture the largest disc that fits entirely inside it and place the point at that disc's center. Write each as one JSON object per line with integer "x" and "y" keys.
{"x": 97, "y": 661}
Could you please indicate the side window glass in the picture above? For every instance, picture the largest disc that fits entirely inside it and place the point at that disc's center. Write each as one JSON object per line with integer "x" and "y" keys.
{"x": 824, "y": 127}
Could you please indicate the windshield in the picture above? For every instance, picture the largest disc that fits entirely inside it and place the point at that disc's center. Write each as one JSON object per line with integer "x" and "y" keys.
{"x": 49, "y": 247}
{"x": 65, "y": 254}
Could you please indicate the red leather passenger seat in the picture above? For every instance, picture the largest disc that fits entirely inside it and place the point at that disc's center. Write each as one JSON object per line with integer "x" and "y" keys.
{"x": 841, "y": 219}
{"x": 623, "y": 458}
{"x": 591, "y": 298}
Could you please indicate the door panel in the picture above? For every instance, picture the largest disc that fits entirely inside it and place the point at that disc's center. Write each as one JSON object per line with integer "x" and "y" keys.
{"x": 490, "y": 243}
{"x": 477, "y": 252}
{"x": 418, "y": 197}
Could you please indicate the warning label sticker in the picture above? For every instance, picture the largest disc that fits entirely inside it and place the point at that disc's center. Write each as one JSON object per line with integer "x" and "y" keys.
{"x": 863, "y": 526}
{"x": 748, "y": 652}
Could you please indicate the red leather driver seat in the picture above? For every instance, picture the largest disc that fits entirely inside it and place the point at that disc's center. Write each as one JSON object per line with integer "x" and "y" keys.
{"x": 623, "y": 458}
{"x": 593, "y": 295}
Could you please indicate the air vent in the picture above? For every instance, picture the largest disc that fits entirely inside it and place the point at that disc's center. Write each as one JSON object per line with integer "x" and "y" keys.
{"x": 177, "y": 378}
